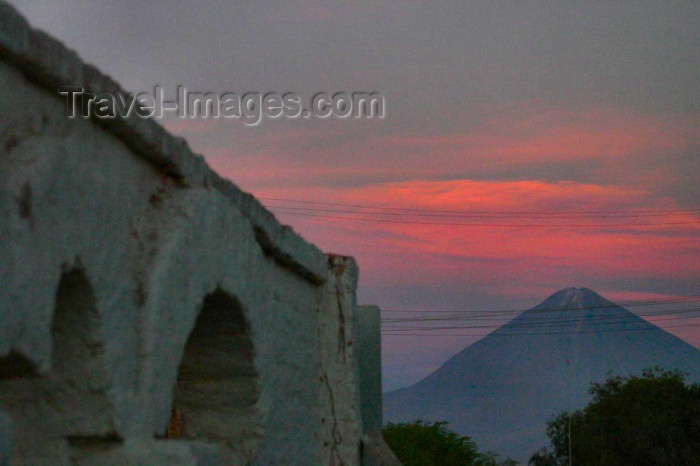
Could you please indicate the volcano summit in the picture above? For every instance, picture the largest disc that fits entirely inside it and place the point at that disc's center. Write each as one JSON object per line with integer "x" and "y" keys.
{"x": 504, "y": 388}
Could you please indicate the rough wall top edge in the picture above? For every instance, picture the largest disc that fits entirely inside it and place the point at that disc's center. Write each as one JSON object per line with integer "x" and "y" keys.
{"x": 48, "y": 63}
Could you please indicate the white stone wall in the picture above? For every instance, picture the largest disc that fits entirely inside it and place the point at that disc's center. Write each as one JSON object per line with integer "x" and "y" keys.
{"x": 339, "y": 391}
{"x": 121, "y": 256}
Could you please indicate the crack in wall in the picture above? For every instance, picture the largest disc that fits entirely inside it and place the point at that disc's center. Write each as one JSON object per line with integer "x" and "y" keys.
{"x": 341, "y": 322}
{"x": 140, "y": 309}
{"x": 334, "y": 458}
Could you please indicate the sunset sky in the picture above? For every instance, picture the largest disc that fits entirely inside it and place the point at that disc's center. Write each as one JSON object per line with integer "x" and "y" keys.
{"x": 545, "y": 115}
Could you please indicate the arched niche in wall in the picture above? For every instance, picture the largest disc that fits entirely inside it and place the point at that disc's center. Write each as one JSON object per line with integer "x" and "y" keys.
{"x": 78, "y": 366}
{"x": 69, "y": 403}
{"x": 215, "y": 398}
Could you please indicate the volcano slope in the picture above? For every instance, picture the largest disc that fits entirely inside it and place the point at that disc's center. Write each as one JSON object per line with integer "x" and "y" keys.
{"x": 503, "y": 389}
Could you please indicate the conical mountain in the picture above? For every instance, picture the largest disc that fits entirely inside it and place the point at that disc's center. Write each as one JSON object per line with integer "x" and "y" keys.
{"x": 503, "y": 389}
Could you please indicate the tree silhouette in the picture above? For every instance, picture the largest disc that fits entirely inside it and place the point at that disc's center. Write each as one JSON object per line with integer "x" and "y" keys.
{"x": 652, "y": 419}
{"x": 422, "y": 443}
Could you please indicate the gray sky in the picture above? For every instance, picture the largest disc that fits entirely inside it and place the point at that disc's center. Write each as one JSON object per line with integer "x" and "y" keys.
{"x": 555, "y": 105}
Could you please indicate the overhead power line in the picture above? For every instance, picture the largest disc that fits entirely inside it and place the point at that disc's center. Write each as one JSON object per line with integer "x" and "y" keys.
{"x": 496, "y": 334}
{"x": 563, "y": 322}
{"x": 469, "y": 212}
{"x": 547, "y": 322}
{"x": 621, "y": 303}
{"x": 554, "y": 216}
{"x": 545, "y": 313}
{"x": 508, "y": 215}
{"x": 413, "y": 216}
{"x": 540, "y": 320}
{"x": 506, "y": 225}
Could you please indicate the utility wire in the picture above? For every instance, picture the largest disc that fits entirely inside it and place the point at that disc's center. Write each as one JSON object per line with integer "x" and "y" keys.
{"x": 520, "y": 212}
{"x": 537, "y": 322}
{"x": 544, "y": 318}
{"x": 544, "y": 321}
{"x": 548, "y": 316}
{"x": 592, "y": 320}
{"x": 506, "y": 225}
{"x": 497, "y": 334}
{"x": 622, "y": 303}
{"x": 510, "y": 215}
{"x": 378, "y": 214}
{"x": 607, "y": 320}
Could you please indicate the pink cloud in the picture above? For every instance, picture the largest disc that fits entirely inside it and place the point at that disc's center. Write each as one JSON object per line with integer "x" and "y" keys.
{"x": 616, "y": 145}
{"x": 626, "y": 150}
{"x": 536, "y": 134}
{"x": 394, "y": 254}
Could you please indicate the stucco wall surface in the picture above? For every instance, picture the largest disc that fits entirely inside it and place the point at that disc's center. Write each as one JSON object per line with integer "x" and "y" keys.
{"x": 150, "y": 311}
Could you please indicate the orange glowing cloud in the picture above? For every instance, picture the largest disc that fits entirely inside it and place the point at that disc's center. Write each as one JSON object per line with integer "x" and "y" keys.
{"x": 543, "y": 249}
{"x": 611, "y": 145}
{"x": 509, "y": 161}
{"x": 545, "y": 134}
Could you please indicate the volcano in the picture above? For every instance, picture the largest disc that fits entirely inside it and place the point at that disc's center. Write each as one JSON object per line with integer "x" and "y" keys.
{"x": 502, "y": 390}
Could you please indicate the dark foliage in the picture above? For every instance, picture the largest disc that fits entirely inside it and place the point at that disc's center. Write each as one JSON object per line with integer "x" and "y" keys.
{"x": 652, "y": 419}
{"x": 422, "y": 443}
